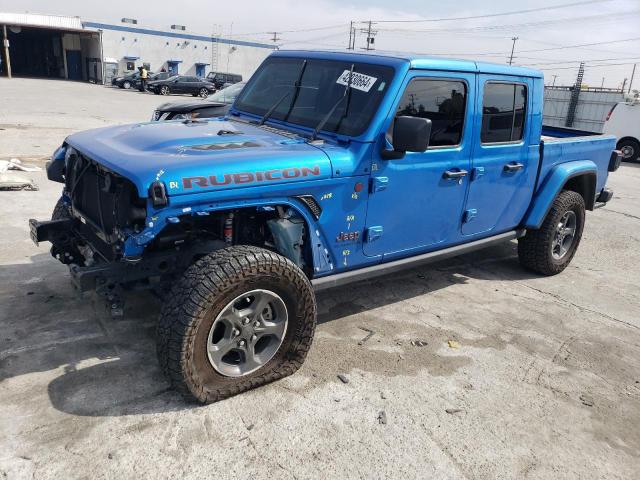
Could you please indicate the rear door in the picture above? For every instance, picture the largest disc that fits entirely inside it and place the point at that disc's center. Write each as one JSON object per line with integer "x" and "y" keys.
{"x": 416, "y": 202}
{"x": 504, "y": 164}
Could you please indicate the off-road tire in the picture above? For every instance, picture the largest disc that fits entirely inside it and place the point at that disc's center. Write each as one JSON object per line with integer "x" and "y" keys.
{"x": 200, "y": 295}
{"x": 535, "y": 248}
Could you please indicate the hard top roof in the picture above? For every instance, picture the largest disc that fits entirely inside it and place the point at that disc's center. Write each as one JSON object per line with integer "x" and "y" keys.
{"x": 417, "y": 61}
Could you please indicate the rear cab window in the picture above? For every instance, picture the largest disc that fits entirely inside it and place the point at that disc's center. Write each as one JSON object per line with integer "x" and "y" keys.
{"x": 503, "y": 112}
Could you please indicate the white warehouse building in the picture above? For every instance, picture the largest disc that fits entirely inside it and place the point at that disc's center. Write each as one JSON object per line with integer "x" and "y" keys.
{"x": 68, "y": 47}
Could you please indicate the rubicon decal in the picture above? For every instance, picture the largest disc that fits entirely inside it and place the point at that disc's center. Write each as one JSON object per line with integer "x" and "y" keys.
{"x": 247, "y": 177}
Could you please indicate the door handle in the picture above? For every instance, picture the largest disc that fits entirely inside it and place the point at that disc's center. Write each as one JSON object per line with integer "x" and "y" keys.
{"x": 454, "y": 174}
{"x": 513, "y": 167}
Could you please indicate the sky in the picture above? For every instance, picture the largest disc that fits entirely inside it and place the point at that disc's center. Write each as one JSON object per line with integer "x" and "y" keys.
{"x": 549, "y": 38}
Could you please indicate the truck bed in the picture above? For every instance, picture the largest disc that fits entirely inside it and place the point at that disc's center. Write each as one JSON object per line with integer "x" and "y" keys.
{"x": 560, "y": 145}
{"x": 554, "y": 133}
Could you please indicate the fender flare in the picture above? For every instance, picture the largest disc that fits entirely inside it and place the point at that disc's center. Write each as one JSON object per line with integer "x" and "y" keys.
{"x": 555, "y": 181}
{"x": 322, "y": 262}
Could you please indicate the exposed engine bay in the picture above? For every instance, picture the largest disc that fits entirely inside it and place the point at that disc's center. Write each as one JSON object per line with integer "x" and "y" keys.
{"x": 100, "y": 209}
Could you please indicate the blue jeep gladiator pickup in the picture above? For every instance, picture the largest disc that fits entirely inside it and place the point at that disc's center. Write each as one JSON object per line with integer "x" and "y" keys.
{"x": 329, "y": 168}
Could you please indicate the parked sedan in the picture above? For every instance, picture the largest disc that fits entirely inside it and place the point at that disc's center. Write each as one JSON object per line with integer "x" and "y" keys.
{"x": 152, "y": 77}
{"x": 182, "y": 84}
{"x": 216, "y": 105}
{"x": 127, "y": 81}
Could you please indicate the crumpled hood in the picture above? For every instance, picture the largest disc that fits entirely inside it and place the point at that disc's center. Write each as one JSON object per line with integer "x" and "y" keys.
{"x": 203, "y": 155}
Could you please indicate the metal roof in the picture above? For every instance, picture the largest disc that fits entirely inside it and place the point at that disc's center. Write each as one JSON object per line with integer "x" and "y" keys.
{"x": 37, "y": 20}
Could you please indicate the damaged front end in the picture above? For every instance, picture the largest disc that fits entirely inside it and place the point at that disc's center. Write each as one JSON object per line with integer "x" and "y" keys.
{"x": 113, "y": 240}
{"x": 98, "y": 210}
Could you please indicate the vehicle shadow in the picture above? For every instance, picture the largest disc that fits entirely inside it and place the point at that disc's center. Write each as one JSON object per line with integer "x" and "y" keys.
{"x": 106, "y": 367}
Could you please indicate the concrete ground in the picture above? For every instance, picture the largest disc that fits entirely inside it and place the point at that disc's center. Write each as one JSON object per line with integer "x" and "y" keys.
{"x": 475, "y": 369}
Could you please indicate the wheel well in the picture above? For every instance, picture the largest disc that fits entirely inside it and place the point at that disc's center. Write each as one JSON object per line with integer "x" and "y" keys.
{"x": 585, "y": 185}
{"x": 628, "y": 137}
{"x": 280, "y": 228}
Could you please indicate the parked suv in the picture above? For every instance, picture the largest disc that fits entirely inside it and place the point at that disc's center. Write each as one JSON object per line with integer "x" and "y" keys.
{"x": 182, "y": 84}
{"x": 220, "y": 80}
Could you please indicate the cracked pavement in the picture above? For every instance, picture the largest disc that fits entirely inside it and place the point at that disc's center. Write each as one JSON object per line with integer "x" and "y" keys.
{"x": 482, "y": 370}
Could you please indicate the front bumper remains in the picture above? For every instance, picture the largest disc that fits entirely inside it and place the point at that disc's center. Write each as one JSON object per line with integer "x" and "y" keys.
{"x": 49, "y": 230}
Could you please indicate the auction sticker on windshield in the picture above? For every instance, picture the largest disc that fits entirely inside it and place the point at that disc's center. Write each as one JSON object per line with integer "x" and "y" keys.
{"x": 359, "y": 81}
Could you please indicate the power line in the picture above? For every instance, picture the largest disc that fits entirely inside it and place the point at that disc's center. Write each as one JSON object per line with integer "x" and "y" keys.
{"x": 314, "y": 29}
{"x": 577, "y": 61}
{"x": 512, "y": 26}
{"x": 493, "y": 54}
{"x": 492, "y": 15}
{"x": 588, "y": 65}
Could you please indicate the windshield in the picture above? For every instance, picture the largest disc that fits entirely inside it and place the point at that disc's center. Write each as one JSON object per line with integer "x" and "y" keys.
{"x": 227, "y": 95}
{"x": 322, "y": 84}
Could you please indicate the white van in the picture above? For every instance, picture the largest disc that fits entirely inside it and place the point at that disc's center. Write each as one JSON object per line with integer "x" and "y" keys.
{"x": 623, "y": 121}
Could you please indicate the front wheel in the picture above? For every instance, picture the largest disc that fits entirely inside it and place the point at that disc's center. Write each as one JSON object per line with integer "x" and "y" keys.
{"x": 630, "y": 149}
{"x": 550, "y": 249}
{"x": 126, "y": 85}
{"x": 204, "y": 93}
{"x": 165, "y": 90}
{"x": 239, "y": 318}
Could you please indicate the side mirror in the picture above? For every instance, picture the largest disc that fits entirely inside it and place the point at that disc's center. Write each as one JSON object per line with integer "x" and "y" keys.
{"x": 410, "y": 134}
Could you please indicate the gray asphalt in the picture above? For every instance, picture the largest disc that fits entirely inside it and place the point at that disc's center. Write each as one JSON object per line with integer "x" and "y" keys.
{"x": 475, "y": 369}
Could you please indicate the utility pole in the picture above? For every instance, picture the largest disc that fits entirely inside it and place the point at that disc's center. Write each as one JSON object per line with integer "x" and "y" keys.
{"x": 633, "y": 72}
{"x": 624, "y": 84}
{"x": 602, "y": 84}
{"x": 5, "y": 42}
{"x": 353, "y": 43}
{"x": 275, "y": 39}
{"x": 554, "y": 80}
{"x": 370, "y": 36}
{"x": 513, "y": 47}
{"x": 350, "y": 35}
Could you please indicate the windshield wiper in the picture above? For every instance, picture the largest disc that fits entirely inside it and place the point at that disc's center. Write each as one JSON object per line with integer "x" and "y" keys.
{"x": 330, "y": 113}
{"x": 297, "y": 85}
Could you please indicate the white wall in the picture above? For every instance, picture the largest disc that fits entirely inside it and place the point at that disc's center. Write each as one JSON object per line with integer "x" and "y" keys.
{"x": 592, "y": 108}
{"x": 156, "y": 49}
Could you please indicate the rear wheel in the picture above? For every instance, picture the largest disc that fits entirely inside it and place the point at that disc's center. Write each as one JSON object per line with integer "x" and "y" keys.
{"x": 550, "y": 249}
{"x": 239, "y": 318}
{"x": 630, "y": 149}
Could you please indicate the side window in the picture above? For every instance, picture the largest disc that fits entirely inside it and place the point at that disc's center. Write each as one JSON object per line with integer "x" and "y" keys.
{"x": 442, "y": 101}
{"x": 503, "y": 112}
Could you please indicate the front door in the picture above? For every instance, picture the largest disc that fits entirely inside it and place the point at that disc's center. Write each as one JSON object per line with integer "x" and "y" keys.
{"x": 74, "y": 64}
{"x": 504, "y": 164}
{"x": 416, "y": 202}
{"x": 180, "y": 86}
